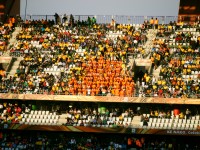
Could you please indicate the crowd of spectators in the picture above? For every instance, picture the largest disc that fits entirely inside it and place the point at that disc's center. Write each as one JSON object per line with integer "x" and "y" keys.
{"x": 176, "y": 51}
{"x": 86, "y": 58}
{"x": 73, "y": 60}
{"x": 113, "y": 116}
{"x": 76, "y": 141}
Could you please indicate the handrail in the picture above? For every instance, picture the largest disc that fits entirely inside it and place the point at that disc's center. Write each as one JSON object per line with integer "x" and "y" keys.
{"x": 107, "y": 18}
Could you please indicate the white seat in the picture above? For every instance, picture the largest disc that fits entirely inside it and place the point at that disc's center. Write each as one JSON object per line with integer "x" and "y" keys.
{"x": 129, "y": 119}
{"x": 192, "y": 122}
{"x": 113, "y": 118}
{"x": 162, "y": 120}
{"x": 46, "y": 112}
{"x": 170, "y": 125}
{"x": 32, "y": 120}
{"x": 187, "y": 126}
{"x": 183, "y": 126}
{"x": 43, "y": 121}
{"x": 196, "y": 122}
{"x": 36, "y": 112}
{"x": 176, "y": 120}
{"x": 155, "y": 120}
{"x": 117, "y": 119}
{"x": 23, "y": 120}
{"x": 25, "y": 115}
{"x": 153, "y": 125}
{"x": 175, "y": 125}
{"x": 32, "y": 111}
{"x": 158, "y": 120}
{"x": 188, "y": 121}
{"x": 165, "y": 125}
{"x": 167, "y": 120}
{"x": 157, "y": 125}
{"x": 191, "y": 126}
{"x": 55, "y": 121}
{"x": 141, "y": 124}
{"x": 161, "y": 125}
{"x": 170, "y": 120}
{"x": 195, "y": 126}
{"x": 39, "y": 112}
{"x": 179, "y": 126}
{"x": 53, "y": 117}
{"x": 149, "y": 124}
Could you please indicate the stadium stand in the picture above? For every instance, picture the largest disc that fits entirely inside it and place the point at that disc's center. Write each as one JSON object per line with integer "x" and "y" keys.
{"x": 87, "y": 59}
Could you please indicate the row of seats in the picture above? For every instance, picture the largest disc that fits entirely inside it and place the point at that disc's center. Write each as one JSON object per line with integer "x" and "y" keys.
{"x": 174, "y": 122}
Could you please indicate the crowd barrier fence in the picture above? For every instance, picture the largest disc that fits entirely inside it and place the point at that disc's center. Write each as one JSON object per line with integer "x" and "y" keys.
{"x": 120, "y": 19}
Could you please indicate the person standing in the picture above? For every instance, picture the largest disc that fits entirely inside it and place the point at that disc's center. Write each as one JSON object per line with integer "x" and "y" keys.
{"x": 113, "y": 24}
{"x": 156, "y": 22}
{"x": 151, "y": 22}
{"x": 187, "y": 113}
{"x": 56, "y": 18}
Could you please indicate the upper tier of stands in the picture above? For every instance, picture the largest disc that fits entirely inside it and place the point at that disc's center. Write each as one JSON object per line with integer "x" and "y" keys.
{"x": 86, "y": 58}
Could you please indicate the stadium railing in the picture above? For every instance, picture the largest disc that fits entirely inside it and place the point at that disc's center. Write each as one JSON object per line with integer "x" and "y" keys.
{"x": 122, "y": 19}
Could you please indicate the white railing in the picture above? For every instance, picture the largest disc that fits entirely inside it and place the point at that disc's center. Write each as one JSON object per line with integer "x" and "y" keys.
{"x": 107, "y": 18}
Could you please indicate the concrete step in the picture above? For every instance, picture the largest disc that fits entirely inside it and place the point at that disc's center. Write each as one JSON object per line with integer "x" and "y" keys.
{"x": 12, "y": 72}
{"x": 14, "y": 67}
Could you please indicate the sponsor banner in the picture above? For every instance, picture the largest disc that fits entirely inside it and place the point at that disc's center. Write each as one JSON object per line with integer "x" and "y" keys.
{"x": 99, "y": 98}
{"x": 100, "y": 129}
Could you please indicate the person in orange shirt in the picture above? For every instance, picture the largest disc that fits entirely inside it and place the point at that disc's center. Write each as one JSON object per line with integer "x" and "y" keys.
{"x": 84, "y": 91}
{"x": 79, "y": 91}
{"x": 156, "y": 22}
{"x": 113, "y": 91}
{"x": 97, "y": 90}
{"x": 129, "y": 91}
{"x": 130, "y": 142}
{"x": 122, "y": 93}
{"x": 117, "y": 91}
{"x": 93, "y": 92}
{"x": 151, "y": 23}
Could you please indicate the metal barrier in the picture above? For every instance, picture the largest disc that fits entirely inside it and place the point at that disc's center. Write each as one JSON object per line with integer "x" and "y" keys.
{"x": 16, "y": 53}
{"x": 107, "y": 18}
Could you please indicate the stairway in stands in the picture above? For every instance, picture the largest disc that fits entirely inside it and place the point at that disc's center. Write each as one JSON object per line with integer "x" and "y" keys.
{"x": 151, "y": 35}
{"x": 156, "y": 72}
{"x": 17, "y": 60}
{"x": 15, "y": 65}
{"x": 12, "y": 41}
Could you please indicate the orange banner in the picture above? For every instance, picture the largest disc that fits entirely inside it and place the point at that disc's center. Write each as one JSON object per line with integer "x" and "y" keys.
{"x": 99, "y": 98}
